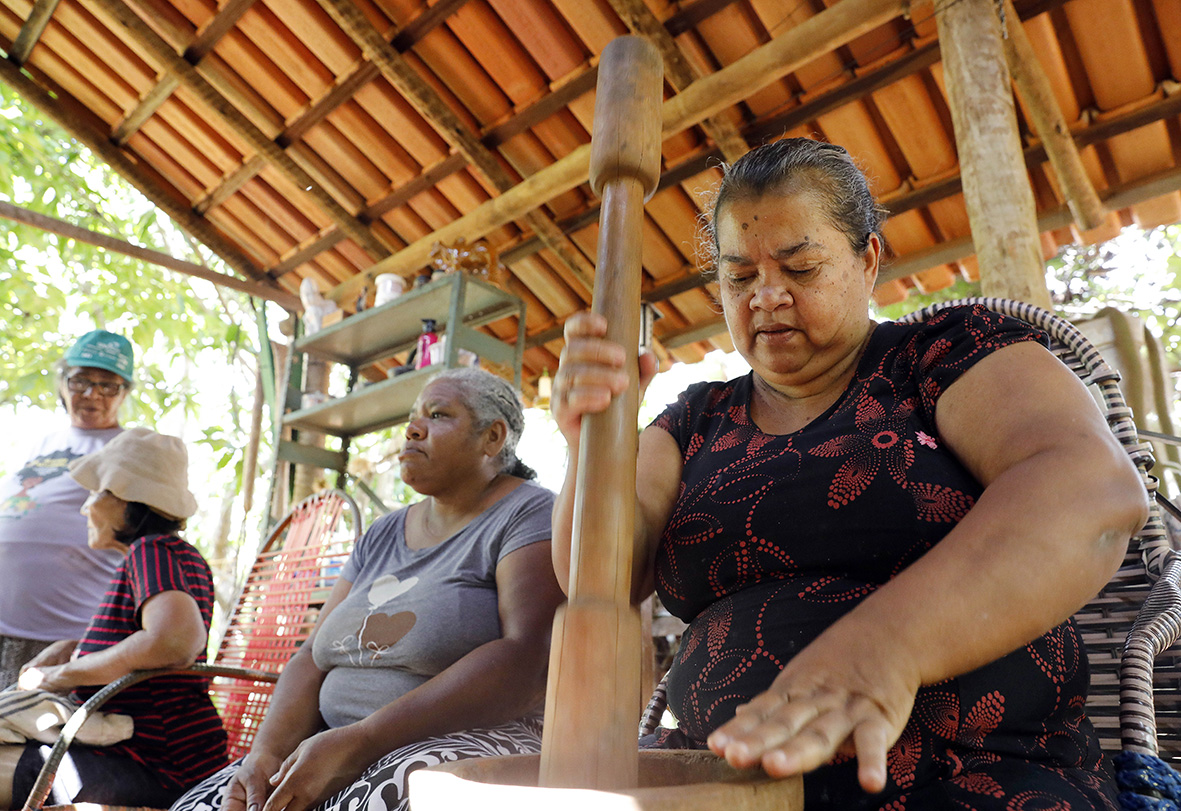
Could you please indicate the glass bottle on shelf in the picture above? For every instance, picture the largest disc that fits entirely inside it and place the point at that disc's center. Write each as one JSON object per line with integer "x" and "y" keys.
{"x": 428, "y": 338}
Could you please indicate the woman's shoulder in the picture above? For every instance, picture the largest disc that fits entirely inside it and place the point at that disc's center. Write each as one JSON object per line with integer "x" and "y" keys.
{"x": 527, "y": 496}
{"x": 166, "y": 544}
{"x": 933, "y": 353}
{"x": 708, "y": 400}
{"x": 956, "y": 334}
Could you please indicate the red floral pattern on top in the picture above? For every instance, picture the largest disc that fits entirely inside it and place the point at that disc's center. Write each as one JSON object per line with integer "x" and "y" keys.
{"x": 876, "y": 441}
{"x": 773, "y": 538}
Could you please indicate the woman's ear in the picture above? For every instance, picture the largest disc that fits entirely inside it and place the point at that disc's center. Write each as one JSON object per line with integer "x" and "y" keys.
{"x": 495, "y": 436}
{"x": 873, "y": 260}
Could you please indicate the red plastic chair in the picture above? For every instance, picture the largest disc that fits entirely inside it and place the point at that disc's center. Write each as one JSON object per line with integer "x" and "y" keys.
{"x": 278, "y": 604}
{"x": 275, "y": 610}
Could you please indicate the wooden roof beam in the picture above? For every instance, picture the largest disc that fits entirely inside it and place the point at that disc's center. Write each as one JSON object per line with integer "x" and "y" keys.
{"x": 692, "y": 14}
{"x": 79, "y": 234}
{"x": 818, "y": 35}
{"x": 234, "y": 119}
{"x": 435, "y": 110}
{"x": 342, "y": 90}
{"x": 639, "y": 19}
{"x": 31, "y": 31}
{"x": 207, "y": 38}
{"x": 493, "y": 137}
{"x": 1050, "y": 124}
{"x": 1115, "y": 198}
{"x": 1128, "y": 194}
{"x": 87, "y": 129}
{"x": 770, "y": 128}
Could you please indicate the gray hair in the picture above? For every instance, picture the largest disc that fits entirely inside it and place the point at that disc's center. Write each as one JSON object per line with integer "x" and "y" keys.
{"x": 803, "y": 164}
{"x": 490, "y": 398}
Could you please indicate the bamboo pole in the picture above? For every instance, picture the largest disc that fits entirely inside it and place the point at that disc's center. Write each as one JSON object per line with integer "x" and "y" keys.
{"x": 79, "y": 234}
{"x": 996, "y": 184}
{"x": 1050, "y": 124}
{"x": 826, "y": 31}
{"x": 594, "y": 682}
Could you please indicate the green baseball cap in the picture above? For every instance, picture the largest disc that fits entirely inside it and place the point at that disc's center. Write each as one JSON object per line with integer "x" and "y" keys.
{"x": 103, "y": 350}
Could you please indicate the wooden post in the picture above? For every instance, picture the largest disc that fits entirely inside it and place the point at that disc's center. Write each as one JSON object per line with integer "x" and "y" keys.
{"x": 1051, "y": 125}
{"x": 996, "y": 184}
{"x": 591, "y": 713}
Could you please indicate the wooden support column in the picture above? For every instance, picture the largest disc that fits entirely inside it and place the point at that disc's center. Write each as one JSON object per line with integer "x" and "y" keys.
{"x": 996, "y": 185}
{"x": 1051, "y": 125}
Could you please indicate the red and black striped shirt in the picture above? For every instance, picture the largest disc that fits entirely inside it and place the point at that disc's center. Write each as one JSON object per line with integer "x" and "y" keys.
{"x": 178, "y": 732}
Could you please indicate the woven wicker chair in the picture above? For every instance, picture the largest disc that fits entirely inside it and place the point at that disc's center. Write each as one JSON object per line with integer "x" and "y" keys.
{"x": 275, "y": 610}
{"x": 1129, "y": 628}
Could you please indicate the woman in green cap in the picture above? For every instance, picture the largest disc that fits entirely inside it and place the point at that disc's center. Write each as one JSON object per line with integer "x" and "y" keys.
{"x": 41, "y": 529}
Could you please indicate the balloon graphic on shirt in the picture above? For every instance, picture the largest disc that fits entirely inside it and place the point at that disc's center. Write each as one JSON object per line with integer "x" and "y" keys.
{"x": 380, "y": 631}
{"x": 388, "y": 587}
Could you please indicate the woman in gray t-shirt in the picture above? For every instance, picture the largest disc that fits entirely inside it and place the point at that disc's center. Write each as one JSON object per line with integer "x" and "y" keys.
{"x": 434, "y": 643}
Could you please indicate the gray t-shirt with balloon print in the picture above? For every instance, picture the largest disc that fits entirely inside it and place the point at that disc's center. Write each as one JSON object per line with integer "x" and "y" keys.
{"x": 411, "y": 613}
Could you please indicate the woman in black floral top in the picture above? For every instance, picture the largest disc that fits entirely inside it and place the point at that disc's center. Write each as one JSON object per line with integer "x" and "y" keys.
{"x": 875, "y": 536}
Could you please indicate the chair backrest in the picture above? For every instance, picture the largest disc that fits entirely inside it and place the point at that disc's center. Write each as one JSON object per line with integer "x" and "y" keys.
{"x": 278, "y": 604}
{"x": 1124, "y": 630}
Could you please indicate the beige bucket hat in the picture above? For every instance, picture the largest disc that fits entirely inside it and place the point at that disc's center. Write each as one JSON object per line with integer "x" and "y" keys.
{"x": 141, "y": 465}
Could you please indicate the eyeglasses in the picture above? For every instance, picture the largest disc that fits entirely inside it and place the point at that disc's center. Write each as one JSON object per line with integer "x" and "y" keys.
{"x": 78, "y": 384}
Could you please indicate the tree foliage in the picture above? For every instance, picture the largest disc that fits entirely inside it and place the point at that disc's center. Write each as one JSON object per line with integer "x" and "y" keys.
{"x": 185, "y": 331}
{"x": 1140, "y": 273}
{"x": 53, "y": 288}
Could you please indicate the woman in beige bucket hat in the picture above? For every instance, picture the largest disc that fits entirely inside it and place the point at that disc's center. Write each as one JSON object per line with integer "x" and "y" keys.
{"x": 156, "y": 614}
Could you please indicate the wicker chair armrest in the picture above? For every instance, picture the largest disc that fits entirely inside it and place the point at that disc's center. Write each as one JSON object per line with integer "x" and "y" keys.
{"x": 650, "y": 720}
{"x": 1157, "y": 627}
{"x": 44, "y": 782}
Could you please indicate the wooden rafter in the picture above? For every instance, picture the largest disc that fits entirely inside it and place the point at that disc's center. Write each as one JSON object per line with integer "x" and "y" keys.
{"x": 947, "y": 252}
{"x": 31, "y": 31}
{"x": 493, "y": 137}
{"x": 820, "y": 34}
{"x": 756, "y": 132}
{"x": 1050, "y": 124}
{"x": 342, "y": 90}
{"x": 640, "y": 20}
{"x": 221, "y": 22}
{"x": 87, "y": 129}
{"x": 435, "y": 110}
{"x": 1122, "y": 196}
{"x": 63, "y": 228}
{"x": 760, "y": 131}
{"x": 540, "y": 110}
{"x": 689, "y": 17}
{"x": 235, "y": 120}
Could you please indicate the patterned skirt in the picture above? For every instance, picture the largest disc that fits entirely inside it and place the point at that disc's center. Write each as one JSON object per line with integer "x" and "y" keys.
{"x": 382, "y": 787}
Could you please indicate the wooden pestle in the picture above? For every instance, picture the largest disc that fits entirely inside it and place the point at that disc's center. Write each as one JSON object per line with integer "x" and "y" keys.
{"x": 593, "y": 699}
